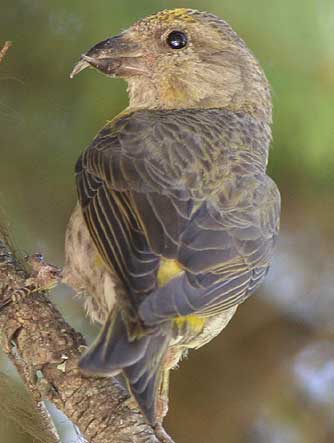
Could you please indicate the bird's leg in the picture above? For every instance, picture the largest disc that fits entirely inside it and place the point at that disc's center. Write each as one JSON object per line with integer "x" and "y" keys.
{"x": 162, "y": 400}
{"x": 171, "y": 361}
{"x": 44, "y": 276}
{"x": 162, "y": 434}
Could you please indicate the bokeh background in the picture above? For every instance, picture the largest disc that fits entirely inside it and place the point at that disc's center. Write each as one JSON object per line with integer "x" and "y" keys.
{"x": 269, "y": 378}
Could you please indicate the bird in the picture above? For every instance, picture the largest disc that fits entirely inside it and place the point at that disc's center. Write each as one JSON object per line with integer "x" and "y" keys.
{"x": 177, "y": 219}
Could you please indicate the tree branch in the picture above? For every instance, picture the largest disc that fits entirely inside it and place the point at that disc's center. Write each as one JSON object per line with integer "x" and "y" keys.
{"x": 45, "y": 351}
{"x": 18, "y": 406}
{"x": 4, "y": 50}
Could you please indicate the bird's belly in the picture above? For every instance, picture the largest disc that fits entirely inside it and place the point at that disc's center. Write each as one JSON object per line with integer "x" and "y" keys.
{"x": 194, "y": 331}
{"x": 86, "y": 272}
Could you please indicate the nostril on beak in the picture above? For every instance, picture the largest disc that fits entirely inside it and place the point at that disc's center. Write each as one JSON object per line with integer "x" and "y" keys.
{"x": 105, "y": 44}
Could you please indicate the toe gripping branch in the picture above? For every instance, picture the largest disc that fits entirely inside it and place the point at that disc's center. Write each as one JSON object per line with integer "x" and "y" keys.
{"x": 43, "y": 277}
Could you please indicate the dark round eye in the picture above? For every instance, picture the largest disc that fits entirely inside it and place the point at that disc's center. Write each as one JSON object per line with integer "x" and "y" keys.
{"x": 177, "y": 40}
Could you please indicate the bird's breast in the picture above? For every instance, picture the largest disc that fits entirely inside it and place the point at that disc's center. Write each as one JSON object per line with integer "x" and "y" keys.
{"x": 86, "y": 272}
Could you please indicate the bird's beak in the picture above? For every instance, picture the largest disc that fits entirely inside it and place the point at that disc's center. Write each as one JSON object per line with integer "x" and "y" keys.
{"x": 116, "y": 56}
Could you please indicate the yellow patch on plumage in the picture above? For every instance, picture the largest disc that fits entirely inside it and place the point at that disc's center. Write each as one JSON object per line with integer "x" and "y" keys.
{"x": 170, "y": 93}
{"x": 99, "y": 263}
{"x": 174, "y": 14}
{"x": 169, "y": 16}
{"x": 193, "y": 322}
{"x": 168, "y": 269}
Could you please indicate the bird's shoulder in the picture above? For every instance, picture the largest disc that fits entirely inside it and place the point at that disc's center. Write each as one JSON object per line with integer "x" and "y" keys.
{"x": 129, "y": 127}
{"x": 186, "y": 147}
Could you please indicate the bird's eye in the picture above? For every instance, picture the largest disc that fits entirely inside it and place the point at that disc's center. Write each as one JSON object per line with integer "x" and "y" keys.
{"x": 177, "y": 40}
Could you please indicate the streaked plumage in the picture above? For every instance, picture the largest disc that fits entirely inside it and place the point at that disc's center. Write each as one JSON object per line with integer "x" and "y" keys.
{"x": 184, "y": 186}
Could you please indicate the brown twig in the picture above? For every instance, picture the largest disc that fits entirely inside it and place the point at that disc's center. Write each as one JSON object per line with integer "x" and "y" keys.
{"x": 4, "y": 50}
{"x": 45, "y": 351}
{"x": 30, "y": 417}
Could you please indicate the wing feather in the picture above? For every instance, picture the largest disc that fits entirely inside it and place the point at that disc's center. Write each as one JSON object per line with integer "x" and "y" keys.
{"x": 184, "y": 185}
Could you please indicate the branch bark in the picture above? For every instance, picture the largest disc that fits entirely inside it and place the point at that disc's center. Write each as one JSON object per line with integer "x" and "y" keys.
{"x": 45, "y": 351}
{"x": 4, "y": 50}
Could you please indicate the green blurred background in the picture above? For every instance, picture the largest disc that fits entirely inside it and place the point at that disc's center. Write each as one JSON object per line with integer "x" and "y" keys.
{"x": 269, "y": 378}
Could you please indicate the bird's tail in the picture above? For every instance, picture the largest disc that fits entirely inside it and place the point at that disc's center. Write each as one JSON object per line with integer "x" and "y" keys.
{"x": 141, "y": 360}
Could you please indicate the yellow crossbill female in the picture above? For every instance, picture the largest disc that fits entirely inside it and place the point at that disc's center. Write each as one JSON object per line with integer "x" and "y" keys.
{"x": 177, "y": 219}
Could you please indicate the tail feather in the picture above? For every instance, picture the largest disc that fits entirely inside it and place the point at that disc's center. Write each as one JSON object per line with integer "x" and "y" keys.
{"x": 108, "y": 354}
{"x": 145, "y": 391}
{"x": 140, "y": 359}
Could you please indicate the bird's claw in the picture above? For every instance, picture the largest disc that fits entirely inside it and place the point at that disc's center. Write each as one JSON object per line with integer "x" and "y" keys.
{"x": 162, "y": 434}
{"x": 44, "y": 276}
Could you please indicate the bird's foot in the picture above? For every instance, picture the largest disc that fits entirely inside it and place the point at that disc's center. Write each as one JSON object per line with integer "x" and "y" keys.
{"x": 162, "y": 407}
{"x": 44, "y": 277}
{"x": 162, "y": 434}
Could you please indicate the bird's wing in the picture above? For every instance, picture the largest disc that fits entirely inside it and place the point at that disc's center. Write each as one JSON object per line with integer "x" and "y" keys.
{"x": 135, "y": 185}
{"x": 186, "y": 185}
{"x": 162, "y": 183}
{"x": 225, "y": 249}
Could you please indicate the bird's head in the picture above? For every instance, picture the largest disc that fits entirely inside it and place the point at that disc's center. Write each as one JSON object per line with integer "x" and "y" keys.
{"x": 183, "y": 58}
